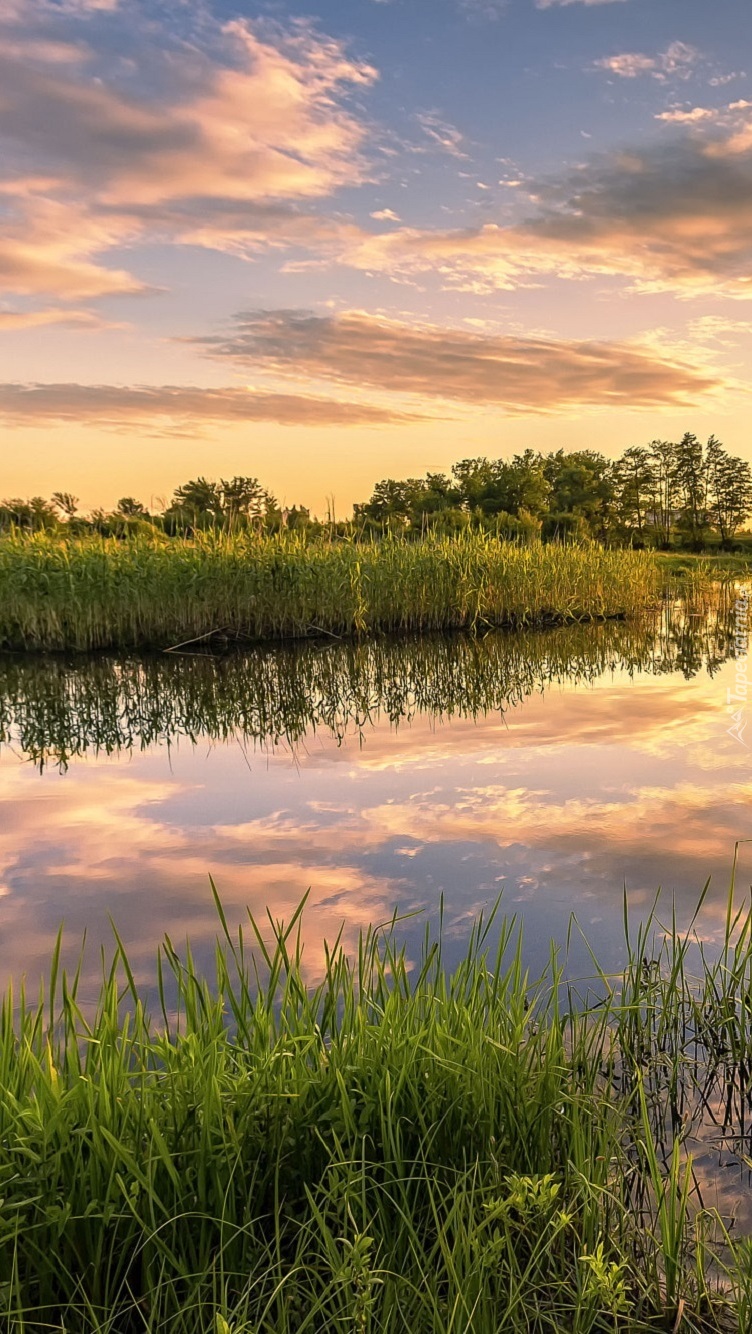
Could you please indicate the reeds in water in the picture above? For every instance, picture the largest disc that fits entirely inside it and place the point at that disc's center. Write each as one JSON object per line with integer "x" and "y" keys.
{"x": 55, "y": 707}
{"x": 393, "y": 1149}
{"x": 93, "y": 593}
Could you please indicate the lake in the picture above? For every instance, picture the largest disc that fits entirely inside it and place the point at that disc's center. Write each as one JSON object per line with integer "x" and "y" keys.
{"x": 557, "y": 768}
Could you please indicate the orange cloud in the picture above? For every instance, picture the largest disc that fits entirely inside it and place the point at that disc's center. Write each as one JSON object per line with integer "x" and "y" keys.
{"x": 677, "y": 61}
{"x": 179, "y": 407}
{"x": 250, "y": 121}
{"x": 517, "y": 374}
{"x": 672, "y": 217}
{"x": 11, "y": 320}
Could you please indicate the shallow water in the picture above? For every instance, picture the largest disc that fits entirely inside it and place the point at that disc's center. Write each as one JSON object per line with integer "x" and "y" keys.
{"x": 554, "y": 767}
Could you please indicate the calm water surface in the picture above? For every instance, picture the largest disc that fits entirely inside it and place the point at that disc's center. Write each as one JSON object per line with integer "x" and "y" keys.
{"x": 555, "y": 767}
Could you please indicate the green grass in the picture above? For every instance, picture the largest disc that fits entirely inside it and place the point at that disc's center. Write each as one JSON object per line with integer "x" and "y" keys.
{"x": 392, "y": 1149}
{"x": 55, "y": 707}
{"x": 93, "y": 593}
{"x": 716, "y": 566}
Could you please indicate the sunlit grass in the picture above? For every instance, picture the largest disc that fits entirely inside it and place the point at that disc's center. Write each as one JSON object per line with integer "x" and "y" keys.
{"x": 92, "y": 593}
{"x": 394, "y": 1149}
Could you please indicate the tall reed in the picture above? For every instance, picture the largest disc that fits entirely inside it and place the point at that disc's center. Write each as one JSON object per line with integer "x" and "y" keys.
{"x": 55, "y": 707}
{"x": 394, "y": 1149}
{"x": 93, "y": 593}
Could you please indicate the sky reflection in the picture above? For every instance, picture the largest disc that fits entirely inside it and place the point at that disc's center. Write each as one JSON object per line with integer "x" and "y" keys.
{"x": 573, "y": 786}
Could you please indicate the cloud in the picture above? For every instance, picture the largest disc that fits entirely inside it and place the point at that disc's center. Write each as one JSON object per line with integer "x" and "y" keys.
{"x": 551, "y": 4}
{"x": 672, "y": 216}
{"x": 215, "y": 144}
{"x": 484, "y": 9}
{"x": 441, "y": 133}
{"x": 516, "y": 374}
{"x": 179, "y": 408}
{"x": 677, "y": 61}
{"x": 12, "y": 320}
{"x": 260, "y": 122}
{"x": 52, "y": 246}
{"x": 628, "y": 65}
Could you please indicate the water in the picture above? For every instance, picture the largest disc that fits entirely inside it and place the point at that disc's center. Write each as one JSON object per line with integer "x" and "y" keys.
{"x": 554, "y": 767}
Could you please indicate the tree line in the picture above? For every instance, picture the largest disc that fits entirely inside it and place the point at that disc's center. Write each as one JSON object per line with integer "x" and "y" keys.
{"x": 667, "y": 493}
{"x": 200, "y": 504}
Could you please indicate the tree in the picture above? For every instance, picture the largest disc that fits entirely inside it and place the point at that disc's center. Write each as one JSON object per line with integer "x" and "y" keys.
{"x": 474, "y": 480}
{"x": 634, "y": 476}
{"x": 729, "y": 491}
{"x": 582, "y": 493}
{"x": 663, "y": 498}
{"x": 528, "y": 490}
{"x": 200, "y": 499}
{"x": 66, "y": 503}
{"x": 131, "y": 508}
{"x": 393, "y": 503}
{"x": 244, "y": 497}
{"x": 691, "y": 472}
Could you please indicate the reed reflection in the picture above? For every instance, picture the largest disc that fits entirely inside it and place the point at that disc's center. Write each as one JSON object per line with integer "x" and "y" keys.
{"x": 54, "y": 709}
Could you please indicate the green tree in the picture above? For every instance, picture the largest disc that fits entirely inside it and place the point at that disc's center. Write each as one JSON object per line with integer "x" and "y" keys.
{"x": 583, "y": 494}
{"x": 198, "y": 500}
{"x": 729, "y": 491}
{"x": 692, "y": 478}
{"x": 634, "y": 478}
{"x": 664, "y": 493}
{"x": 393, "y": 503}
{"x": 243, "y": 498}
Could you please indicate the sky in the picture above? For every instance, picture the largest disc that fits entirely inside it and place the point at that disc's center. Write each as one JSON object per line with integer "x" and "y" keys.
{"x": 329, "y": 241}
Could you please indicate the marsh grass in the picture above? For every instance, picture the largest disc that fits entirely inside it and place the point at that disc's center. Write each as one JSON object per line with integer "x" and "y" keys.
{"x": 53, "y": 708}
{"x": 394, "y": 1148}
{"x": 93, "y": 593}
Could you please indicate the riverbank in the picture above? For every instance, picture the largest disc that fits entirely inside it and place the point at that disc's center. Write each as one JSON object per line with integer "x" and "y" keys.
{"x": 387, "y": 1149}
{"x": 94, "y": 593}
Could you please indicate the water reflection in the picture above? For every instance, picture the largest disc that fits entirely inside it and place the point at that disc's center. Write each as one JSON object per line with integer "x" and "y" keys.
{"x": 555, "y": 767}
{"x": 54, "y": 710}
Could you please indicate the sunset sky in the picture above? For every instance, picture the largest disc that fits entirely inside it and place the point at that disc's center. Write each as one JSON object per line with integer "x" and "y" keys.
{"x": 327, "y": 242}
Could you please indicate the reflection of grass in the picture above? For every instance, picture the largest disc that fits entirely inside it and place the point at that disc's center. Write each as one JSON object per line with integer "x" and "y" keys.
{"x": 704, "y": 568}
{"x": 96, "y": 593}
{"x": 54, "y": 708}
{"x": 396, "y": 1149}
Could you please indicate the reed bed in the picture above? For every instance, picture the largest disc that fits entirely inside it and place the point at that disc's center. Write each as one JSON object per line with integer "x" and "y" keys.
{"x": 93, "y": 593}
{"x": 55, "y": 707}
{"x": 393, "y": 1149}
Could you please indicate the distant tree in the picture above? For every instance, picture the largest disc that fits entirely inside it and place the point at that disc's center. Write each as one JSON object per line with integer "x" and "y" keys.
{"x": 692, "y": 477}
{"x": 583, "y": 493}
{"x": 66, "y": 503}
{"x": 244, "y": 497}
{"x": 33, "y": 515}
{"x": 729, "y": 491}
{"x": 528, "y": 490}
{"x": 664, "y": 493}
{"x": 392, "y": 503}
{"x": 474, "y": 480}
{"x": 198, "y": 500}
{"x": 131, "y": 508}
{"x": 634, "y": 478}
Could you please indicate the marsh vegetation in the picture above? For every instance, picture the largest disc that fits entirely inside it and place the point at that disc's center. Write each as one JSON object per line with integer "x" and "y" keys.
{"x": 394, "y": 1148}
{"x": 93, "y": 593}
